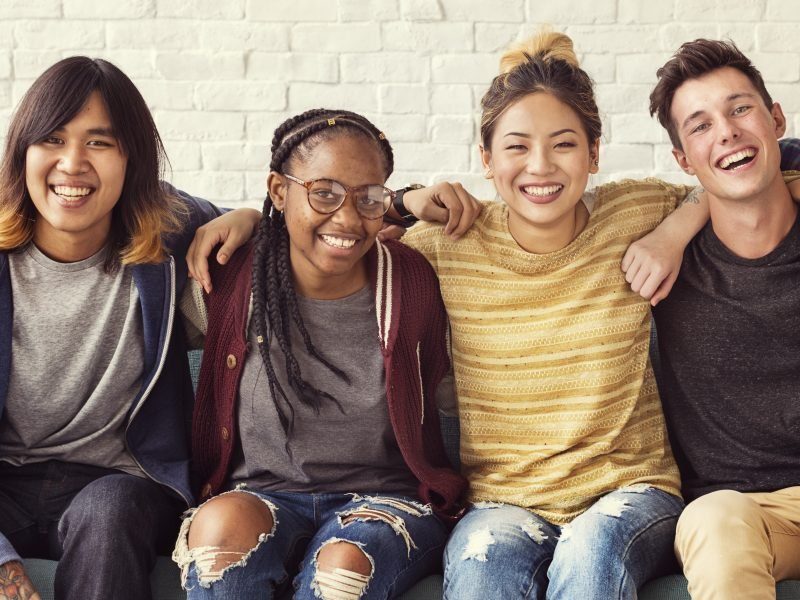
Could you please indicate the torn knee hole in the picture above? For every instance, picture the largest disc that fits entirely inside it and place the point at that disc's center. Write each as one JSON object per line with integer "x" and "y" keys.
{"x": 477, "y": 547}
{"x": 211, "y": 562}
{"x": 334, "y": 582}
{"x": 214, "y": 554}
{"x": 410, "y": 507}
{"x": 366, "y": 513}
{"x": 611, "y": 506}
{"x": 534, "y": 530}
{"x": 339, "y": 584}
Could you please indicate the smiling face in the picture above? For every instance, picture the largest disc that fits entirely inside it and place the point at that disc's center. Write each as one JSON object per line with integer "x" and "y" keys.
{"x": 729, "y": 136}
{"x": 540, "y": 160}
{"x": 327, "y": 250}
{"x": 75, "y": 177}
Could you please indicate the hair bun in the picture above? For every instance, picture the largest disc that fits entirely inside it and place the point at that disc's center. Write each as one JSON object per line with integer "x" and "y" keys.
{"x": 546, "y": 45}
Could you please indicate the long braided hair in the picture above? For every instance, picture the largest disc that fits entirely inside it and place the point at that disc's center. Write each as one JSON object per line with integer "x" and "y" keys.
{"x": 275, "y": 305}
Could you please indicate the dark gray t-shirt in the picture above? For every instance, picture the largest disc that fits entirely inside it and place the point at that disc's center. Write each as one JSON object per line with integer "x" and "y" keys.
{"x": 729, "y": 339}
{"x": 77, "y": 357}
{"x": 352, "y": 450}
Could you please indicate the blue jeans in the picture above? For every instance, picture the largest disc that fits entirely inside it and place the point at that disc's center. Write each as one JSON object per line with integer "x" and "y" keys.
{"x": 403, "y": 542}
{"x": 622, "y": 541}
{"x": 104, "y": 527}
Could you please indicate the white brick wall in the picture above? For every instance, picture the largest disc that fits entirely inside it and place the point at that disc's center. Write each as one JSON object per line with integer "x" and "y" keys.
{"x": 220, "y": 75}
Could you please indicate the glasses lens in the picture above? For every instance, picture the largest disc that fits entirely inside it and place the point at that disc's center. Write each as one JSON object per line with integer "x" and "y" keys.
{"x": 372, "y": 200}
{"x": 326, "y": 195}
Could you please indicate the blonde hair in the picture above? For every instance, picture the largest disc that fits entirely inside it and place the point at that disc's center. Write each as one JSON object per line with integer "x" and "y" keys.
{"x": 546, "y": 44}
{"x": 545, "y": 62}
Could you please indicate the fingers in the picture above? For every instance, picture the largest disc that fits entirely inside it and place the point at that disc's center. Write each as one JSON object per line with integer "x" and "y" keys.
{"x": 637, "y": 282}
{"x": 649, "y": 282}
{"x": 462, "y": 208}
{"x": 447, "y": 203}
{"x": 633, "y": 269}
{"x": 199, "y": 251}
{"x": 664, "y": 289}
{"x": 627, "y": 260}
{"x": 451, "y": 200}
{"x": 232, "y": 242}
{"x": 470, "y": 210}
{"x": 391, "y": 232}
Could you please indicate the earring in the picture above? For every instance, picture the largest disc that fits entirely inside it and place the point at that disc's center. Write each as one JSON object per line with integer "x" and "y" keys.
{"x": 596, "y": 162}
{"x": 488, "y": 173}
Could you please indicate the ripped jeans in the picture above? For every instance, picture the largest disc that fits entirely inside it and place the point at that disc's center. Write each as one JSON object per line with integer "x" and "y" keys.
{"x": 608, "y": 552}
{"x": 402, "y": 539}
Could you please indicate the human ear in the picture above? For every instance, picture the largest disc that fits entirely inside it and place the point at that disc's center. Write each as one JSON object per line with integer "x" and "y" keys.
{"x": 780, "y": 120}
{"x": 594, "y": 157}
{"x": 683, "y": 162}
{"x": 486, "y": 159}
{"x": 277, "y": 187}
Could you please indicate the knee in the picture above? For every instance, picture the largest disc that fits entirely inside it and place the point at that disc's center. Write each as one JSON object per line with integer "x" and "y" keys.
{"x": 234, "y": 521}
{"x": 111, "y": 503}
{"x": 719, "y": 510}
{"x": 342, "y": 570}
{"x": 716, "y": 516}
{"x": 221, "y": 533}
{"x": 343, "y": 555}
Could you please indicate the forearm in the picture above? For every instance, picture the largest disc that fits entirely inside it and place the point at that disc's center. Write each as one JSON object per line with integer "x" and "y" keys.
{"x": 691, "y": 215}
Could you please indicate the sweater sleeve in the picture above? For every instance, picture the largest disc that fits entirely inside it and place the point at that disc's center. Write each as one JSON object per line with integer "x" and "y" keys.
{"x": 7, "y": 552}
{"x": 195, "y": 314}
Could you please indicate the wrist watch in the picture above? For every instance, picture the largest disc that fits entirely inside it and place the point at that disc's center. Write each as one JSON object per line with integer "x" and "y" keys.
{"x": 398, "y": 205}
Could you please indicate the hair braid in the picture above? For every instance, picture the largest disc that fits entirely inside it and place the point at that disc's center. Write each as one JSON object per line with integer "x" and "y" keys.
{"x": 265, "y": 290}
{"x": 275, "y": 305}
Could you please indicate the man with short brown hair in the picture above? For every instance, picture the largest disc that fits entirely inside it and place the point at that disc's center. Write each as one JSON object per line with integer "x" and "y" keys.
{"x": 729, "y": 332}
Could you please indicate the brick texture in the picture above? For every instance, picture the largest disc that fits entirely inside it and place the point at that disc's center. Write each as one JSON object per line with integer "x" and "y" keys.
{"x": 221, "y": 75}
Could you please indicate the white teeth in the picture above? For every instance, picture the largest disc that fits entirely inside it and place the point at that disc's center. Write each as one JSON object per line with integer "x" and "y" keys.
{"x": 337, "y": 242}
{"x": 549, "y": 190}
{"x": 71, "y": 192}
{"x": 737, "y": 156}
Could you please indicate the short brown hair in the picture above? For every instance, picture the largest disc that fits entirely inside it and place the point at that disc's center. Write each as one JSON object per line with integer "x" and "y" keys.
{"x": 693, "y": 60}
{"x": 144, "y": 212}
{"x": 544, "y": 63}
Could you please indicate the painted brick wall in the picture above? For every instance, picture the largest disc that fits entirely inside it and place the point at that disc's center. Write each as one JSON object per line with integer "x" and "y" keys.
{"x": 219, "y": 75}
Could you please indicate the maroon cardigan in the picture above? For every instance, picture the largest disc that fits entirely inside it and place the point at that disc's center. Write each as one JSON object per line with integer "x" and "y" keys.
{"x": 412, "y": 326}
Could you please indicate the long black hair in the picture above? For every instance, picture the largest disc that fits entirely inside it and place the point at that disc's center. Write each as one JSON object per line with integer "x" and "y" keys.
{"x": 144, "y": 213}
{"x": 274, "y": 299}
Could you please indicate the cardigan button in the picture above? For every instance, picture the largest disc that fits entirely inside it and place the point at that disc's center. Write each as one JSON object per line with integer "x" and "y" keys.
{"x": 225, "y": 434}
{"x": 231, "y": 361}
{"x": 206, "y": 491}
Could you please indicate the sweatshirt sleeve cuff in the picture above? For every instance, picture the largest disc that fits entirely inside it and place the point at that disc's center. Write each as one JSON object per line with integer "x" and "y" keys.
{"x": 7, "y": 552}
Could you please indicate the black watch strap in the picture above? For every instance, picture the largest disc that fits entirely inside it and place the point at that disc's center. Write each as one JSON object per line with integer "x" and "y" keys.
{"x": 400, "y": 208}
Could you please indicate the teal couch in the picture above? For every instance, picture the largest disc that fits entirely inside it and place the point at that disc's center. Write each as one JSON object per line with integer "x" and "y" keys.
{"x": 165, "y": 576}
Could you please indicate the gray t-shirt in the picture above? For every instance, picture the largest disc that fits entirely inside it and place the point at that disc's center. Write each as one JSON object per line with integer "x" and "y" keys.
{"x": 77, "y": 358}
{"x": 729, "y": 339}
{"x": 353, "y": 450}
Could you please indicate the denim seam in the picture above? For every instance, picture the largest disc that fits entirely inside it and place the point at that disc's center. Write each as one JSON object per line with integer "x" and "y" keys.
{"x": 535, "y": 573}
{"x": 409, "y": 563}
{"x": 641, "y": 532}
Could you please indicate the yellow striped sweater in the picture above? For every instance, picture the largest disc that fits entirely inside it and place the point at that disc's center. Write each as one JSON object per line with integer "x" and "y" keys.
{"x": 556, "y": 395}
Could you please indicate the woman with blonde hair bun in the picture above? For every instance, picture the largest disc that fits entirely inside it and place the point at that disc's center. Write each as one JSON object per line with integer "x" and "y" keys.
{"x": 573, "y": 487}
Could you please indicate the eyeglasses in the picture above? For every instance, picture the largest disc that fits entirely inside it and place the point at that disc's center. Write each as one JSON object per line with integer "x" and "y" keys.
{"x": 326, "y": 196}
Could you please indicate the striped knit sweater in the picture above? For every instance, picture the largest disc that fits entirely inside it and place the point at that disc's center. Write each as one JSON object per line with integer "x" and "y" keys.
{"x": 556, "y": 395}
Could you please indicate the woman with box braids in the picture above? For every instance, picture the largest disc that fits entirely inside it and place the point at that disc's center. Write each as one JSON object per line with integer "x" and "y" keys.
{"x": 325, "y": 443}
{"x": 274, "y": 299}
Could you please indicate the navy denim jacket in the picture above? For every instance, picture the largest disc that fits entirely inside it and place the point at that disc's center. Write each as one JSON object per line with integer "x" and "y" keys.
{"x": 158, "y": 422}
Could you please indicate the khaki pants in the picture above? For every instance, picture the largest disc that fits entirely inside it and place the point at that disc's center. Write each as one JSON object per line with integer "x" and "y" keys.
{"x": 735, "y": 545}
